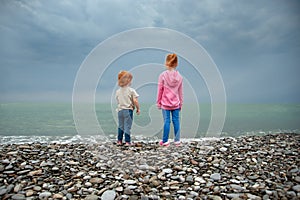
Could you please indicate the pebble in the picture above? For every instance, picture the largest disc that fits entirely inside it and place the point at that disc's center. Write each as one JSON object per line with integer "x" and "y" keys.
{"x": 297, "y": 179}
{"x": 18, "y": 197}
{"x": 296, "y": 188}
{"x": 108, "y": 195}
{"x": 200, "y": 180}
{"x": 246, "y": 167}
{"x": 96, "y": 180}
{"x": 130, "y": 182}
{"x": 223, "y": 149}
{"x": 215, "y": 176}
{"x": 91, "y": 197}
{"x": 45, "y": 195}
{"x": 167, "y": 171}
{"x": 58, "y": 196}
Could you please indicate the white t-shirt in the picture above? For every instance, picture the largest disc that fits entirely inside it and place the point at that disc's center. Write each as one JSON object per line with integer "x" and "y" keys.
{"x": 124, "y": 96}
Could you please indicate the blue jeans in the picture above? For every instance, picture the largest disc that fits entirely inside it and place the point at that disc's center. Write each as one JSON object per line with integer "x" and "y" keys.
{"x": 125, "y": 118}
{"x": 167, "y": 121}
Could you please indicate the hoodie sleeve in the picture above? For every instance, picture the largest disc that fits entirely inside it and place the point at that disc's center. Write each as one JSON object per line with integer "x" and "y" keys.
{"x": 180, "y": 93}
{"x": 160, "y": 89}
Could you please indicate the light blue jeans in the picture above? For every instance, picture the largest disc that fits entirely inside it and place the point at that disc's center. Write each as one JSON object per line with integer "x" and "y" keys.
{"x": 125, "y": 118}
{"x": 176, "y": 123}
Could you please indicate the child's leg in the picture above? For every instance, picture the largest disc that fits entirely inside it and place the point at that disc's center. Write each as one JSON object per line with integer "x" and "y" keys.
{"x": 176, "y": 124}
{"x": 167, "y": 121}
{"x": 128, "y": 116}
{"x": 121, "y": 125}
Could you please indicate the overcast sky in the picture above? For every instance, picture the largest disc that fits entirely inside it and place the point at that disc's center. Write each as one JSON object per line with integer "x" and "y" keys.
{"x": 254, "y": 44}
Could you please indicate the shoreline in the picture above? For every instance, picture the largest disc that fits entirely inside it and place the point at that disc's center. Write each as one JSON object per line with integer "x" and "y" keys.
{"x": 247, "y": 167}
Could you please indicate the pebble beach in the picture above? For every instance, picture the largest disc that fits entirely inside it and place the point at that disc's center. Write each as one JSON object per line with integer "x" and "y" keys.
{"x": 247, "y": 167}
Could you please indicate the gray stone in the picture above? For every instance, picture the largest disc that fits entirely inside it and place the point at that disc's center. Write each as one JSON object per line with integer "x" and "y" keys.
{"x": 296, "y": 188}
{"x": 168, "y": 170}
{"x": 127, "y": 191}
{"x": 3, "y": 191}
{"x": 18, "y": 197}
{"x": 189, "y": 179}
{"x": 9, "y": 167}
{"x": 237, "y": 187}
{"x": 10, "y": 188}
{"x": 17, "y": 188}
{"x": 234, "y": 195}
{"x": 45, "y": 195}
{"x": 143, "y": 167}
{"x": 194, "y": 194}
{"x": 295, "y": 170}
{"x": 253, "y": 197}
{"x": 216, "y": 176}
{"x": 253, "y": 177}
{"x": 91, "y": 197}
{"x": 291, "y": 194}
{"x": 297, "y": 179}
{"x": 109, "y": 195}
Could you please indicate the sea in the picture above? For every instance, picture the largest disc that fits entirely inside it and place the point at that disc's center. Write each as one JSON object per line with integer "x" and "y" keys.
{"x": 54, "y": 122}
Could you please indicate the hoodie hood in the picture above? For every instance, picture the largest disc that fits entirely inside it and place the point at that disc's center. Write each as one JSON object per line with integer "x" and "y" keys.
{"x": 172, "y": 78}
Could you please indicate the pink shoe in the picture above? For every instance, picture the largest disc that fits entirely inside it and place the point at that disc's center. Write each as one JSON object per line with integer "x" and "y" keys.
{"x": 119, "y": 143}
{"x": 166, "y": 144}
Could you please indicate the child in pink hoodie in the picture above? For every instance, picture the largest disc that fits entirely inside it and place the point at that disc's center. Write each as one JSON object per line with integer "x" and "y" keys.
{"x": 170, "y": 99}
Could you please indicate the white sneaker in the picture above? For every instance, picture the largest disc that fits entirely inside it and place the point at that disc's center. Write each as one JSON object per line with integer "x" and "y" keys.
{"x": 177, "y": 143}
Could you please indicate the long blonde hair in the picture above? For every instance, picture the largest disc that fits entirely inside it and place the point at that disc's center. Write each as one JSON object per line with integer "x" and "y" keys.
{"x": 124, "y": 78}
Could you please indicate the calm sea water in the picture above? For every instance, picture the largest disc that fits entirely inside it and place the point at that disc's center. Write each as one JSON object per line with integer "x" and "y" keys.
{"x": 28, "y": 122}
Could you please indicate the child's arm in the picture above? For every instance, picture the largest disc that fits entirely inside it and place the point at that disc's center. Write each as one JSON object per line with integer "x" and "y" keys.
{"x": 180, "y": 92}
{"x": 159, "y": 92}
{"x": 136, "y": 104}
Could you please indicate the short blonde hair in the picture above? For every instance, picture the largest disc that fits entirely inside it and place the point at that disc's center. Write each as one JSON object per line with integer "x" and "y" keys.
{"x": 124, "y": 78}
{"x": 171, "y": 60}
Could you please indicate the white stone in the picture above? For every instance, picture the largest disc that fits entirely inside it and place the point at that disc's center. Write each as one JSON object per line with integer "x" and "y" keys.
{"x": 130, "y": 182}
{"x": 167, "y": 171}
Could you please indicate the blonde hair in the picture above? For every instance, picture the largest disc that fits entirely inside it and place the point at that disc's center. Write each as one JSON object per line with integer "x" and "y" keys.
{"x": 171, "y": 60}
{"x": 124, "y": 78}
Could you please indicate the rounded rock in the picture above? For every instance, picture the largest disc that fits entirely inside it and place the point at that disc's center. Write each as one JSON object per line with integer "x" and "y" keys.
{"x": 109, "y": 195}
{"x": 296, "y": 188}
{"x": 130, "y": 182}
{"x": 45, "y": 195}
{"x": 18, "y": 197}
{"x": 216, "y": 176}
{"x": 168, "y": 170}
{"x": 91, "y": 197}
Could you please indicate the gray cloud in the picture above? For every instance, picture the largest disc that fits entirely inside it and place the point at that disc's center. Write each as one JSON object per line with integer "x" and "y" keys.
{"x": 43, "y": 43}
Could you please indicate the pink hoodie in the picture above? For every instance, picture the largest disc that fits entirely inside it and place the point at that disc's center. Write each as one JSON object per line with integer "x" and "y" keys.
{"x": 169, "y": 92}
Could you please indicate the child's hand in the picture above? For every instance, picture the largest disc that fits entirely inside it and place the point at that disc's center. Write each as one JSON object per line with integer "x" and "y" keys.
{"x": 138, "y": 111}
